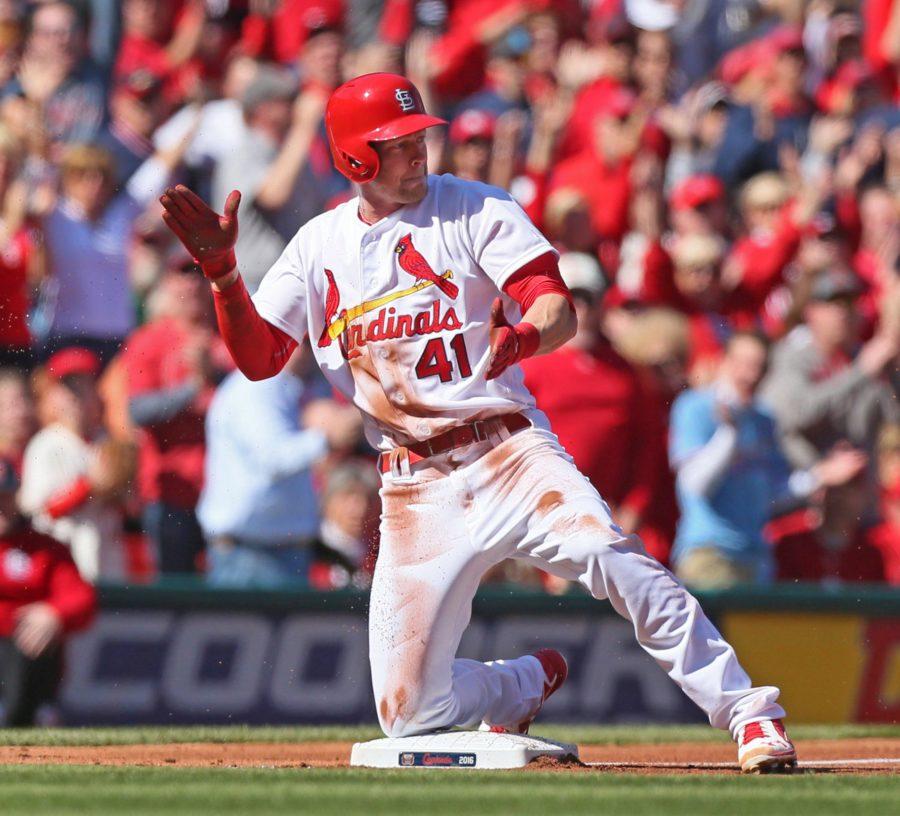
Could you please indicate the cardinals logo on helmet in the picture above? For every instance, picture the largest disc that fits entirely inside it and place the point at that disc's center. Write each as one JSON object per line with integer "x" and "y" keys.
{"x": 412, "y": 261}
{"x": 406, "y": 100}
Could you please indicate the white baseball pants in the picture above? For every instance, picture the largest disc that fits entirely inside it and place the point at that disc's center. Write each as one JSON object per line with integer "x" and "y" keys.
{"x": 449, "y": 519}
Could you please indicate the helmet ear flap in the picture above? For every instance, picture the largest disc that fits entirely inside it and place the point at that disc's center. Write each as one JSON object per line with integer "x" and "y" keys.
{"x": 362, "y": 171}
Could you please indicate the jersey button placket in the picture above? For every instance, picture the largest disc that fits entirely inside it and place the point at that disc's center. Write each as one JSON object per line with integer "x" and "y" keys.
{"x": 368, "y": 266}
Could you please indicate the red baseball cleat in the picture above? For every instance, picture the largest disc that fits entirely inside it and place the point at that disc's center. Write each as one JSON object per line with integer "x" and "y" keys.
{"x": 764, "y": 746}
{"x": 556, "y": 670}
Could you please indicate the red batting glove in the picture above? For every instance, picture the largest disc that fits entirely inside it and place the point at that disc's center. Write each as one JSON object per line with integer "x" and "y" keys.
{"x": 509, "y": 343}
{"x": 208, "y": 236}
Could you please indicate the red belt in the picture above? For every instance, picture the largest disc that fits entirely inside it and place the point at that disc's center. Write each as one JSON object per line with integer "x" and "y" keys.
{"x": 478, "y": 431}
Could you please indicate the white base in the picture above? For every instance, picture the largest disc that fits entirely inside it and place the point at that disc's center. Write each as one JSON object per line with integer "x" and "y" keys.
{"x": 457, "y": 749}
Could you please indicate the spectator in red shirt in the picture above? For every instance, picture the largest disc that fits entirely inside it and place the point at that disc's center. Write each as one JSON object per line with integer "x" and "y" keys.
{"x": 757, "y": 260}
{"x": 173, "y": 364}
{"x": 460, "y": 56}
{"x": 596, "y": 404}
{"x": 602, "y": 173}
{"x": 42, "y": 599}
{"x": 885, "y": 536}
{"x": 279, "y": 30}
{"x": 831, "y": 546}
{"x": 598, "y": 75}
{"x": 881, "y": 38}
{"x": 20, "y": 263}
{"x": 876, "y": 261}
{"x": 155, "y": 42}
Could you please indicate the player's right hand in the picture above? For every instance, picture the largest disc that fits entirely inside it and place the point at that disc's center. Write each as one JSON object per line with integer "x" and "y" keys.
{"x": 208, "y": 236}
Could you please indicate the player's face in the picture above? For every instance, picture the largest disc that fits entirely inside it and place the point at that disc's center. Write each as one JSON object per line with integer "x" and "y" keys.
{"x": 402, "y": 177}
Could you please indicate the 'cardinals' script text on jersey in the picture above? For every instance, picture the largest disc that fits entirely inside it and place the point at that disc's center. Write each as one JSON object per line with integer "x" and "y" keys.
{"x": 397, "y": 312}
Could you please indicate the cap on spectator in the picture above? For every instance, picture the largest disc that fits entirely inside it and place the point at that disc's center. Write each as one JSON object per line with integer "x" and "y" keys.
{"x": 652, "y": 15}
{"x": 514, "y": 45}
{"x": 582, "y": 271}
{"x": 696, "y": 251}
{"x": 739, "y": 62}
{"x": 74, "y": 360}
{"x": 695, "y": 191}
{"x": 765, "y": 191}
{"x": 322, "y": 16}
{"x": 784, "y": 38}
{"x": 142, "y": 84}
{"x": 471, "y": 124}
{"x": 710, "y": 95}
{"x": 9, "y": 481}
{"x": 268, "y": 85}
{"x": 835, "y": 283}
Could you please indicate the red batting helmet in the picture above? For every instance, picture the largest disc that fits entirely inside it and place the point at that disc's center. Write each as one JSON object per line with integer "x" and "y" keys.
{"x": 371, "y": 108}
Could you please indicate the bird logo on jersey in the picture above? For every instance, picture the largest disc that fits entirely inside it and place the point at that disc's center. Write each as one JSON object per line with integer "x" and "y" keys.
{"x": 412, "y": 261}
{"x": 332, "y": 301}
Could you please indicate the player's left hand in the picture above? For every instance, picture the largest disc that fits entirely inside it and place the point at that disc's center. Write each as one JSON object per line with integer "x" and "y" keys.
{"x": 504, "y": 342}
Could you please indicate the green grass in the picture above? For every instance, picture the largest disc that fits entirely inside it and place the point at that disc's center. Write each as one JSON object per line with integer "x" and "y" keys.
{"x": 581, "y": 734}
{"x": 59, "y": 791}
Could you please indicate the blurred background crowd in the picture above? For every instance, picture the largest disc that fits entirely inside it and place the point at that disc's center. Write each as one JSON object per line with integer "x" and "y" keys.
{"x": 720, "y": 177}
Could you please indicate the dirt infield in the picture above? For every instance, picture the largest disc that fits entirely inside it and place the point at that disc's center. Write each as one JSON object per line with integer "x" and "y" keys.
{"x": 849, "y": 756}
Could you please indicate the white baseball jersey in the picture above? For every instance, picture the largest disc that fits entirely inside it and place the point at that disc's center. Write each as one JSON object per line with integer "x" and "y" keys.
{"x": 397, "y": 312}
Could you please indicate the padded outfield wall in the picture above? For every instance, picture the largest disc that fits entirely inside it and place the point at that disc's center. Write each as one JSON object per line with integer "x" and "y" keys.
{"x": 181, "y": 653}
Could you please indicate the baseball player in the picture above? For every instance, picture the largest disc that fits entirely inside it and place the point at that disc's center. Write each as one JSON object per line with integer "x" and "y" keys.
{"x": 420, "y": 296}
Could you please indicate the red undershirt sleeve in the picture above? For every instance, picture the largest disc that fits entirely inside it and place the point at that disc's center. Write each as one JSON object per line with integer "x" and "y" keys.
{"x": 258, "y": 348}
{"x": 538, "y": 277}
{"x": 69, "y": 499}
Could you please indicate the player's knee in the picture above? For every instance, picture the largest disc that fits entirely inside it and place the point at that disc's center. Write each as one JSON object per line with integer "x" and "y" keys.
{"x": 398, "y": 728}
{"x": 393, "y": 711}
{"x": 413, "y": 717}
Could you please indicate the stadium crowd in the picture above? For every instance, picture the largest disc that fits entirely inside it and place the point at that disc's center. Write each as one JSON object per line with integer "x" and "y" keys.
{"x": 720, "y": 177}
